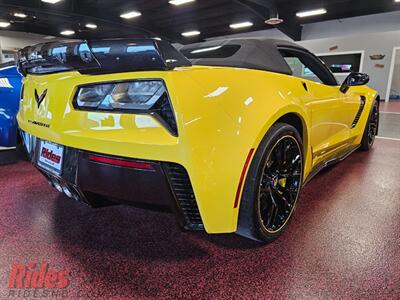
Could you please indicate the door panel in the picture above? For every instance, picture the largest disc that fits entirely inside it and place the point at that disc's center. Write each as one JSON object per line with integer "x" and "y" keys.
{"x": 332, "y": 112}
{"x": 329, "y": 123}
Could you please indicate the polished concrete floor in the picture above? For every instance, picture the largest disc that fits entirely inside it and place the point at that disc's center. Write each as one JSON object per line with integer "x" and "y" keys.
{"x": 389, "y": 125}
{"x": 342, "y": 243}
{"x": 391, "y": 106}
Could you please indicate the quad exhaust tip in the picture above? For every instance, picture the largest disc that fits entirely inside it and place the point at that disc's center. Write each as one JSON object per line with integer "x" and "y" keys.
{"x": 57, "y": 185}
{"x": 67, "y": 192}
{"x": 63, "y": 188}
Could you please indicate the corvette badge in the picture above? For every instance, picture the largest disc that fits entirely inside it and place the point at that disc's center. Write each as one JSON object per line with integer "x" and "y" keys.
{"x": 39, "y": 99}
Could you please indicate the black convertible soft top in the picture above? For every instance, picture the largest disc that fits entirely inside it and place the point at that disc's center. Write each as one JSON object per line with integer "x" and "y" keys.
{"x": 251, "y": 53}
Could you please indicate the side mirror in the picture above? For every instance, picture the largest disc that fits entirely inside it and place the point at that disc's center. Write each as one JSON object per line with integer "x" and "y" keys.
{"x": 354, "y": 79}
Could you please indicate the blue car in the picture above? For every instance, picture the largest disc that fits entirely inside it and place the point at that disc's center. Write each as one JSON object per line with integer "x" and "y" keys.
{"x": 10, "y": 92}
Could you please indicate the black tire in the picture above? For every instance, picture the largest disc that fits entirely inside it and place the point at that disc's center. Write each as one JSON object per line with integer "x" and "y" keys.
{"x": 371, "y": 128}
{"x": 21, "y": 150}
{"x": 264, "y": 188}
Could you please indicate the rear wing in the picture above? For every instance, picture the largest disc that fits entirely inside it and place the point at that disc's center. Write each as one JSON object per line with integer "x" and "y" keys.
{"x": 99, "y": 57}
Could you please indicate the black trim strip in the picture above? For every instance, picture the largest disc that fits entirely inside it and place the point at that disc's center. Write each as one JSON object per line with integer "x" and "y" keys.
{"x": 332, "y": 148}
{"x": 340, "y": 157}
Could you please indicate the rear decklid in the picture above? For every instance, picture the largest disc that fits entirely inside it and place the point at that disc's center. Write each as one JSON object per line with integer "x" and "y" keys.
{"x": 62, "y": 79}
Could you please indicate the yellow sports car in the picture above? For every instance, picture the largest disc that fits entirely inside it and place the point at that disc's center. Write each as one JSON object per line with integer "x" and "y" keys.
{"x": 222, "y": 133}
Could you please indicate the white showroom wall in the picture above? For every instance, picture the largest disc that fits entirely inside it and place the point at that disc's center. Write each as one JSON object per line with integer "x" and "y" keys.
{"x": 11, "y": 40}
{"x": 374, "y": 34}
{"x": 373, "y": 43}
{"x": 395, "y": 88}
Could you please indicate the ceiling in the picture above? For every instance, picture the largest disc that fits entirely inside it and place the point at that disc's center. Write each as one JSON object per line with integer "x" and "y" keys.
{"x": 161, "y": 19}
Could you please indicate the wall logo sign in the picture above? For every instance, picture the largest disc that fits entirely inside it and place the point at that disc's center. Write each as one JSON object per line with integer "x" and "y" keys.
{"x": 377, "y": 56}
{"x": 39, "y": 99}
{"x": 333, "y": 48}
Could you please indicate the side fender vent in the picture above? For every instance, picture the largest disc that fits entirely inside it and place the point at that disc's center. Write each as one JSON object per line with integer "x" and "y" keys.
{"x": 360, "y": 110}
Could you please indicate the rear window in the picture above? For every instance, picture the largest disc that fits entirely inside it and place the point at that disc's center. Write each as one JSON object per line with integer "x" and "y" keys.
{"x": 211, "y": 52}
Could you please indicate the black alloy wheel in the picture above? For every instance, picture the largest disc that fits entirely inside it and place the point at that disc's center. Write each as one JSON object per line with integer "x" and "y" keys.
{"x": 371, "y": 128}
{"x": 373, "y": 125}
{"x": 280, "y": 184}
{"x": 273, "y": 184}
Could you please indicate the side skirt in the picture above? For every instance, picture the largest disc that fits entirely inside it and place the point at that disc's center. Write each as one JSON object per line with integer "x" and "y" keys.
{"x": 330, "y": 161}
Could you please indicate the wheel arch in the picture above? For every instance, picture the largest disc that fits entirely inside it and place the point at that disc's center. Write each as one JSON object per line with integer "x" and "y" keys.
{"x": 298, "y": 120}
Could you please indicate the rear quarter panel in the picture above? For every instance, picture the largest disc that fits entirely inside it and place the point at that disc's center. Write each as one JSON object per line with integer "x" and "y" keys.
{"x": 229, "y": 113}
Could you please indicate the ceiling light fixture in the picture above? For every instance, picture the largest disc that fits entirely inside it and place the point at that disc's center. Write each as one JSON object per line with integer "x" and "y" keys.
{"x": 51, "y": 1}
{"x": 4, "y": 24}
{"x": 273, "y": 21}
{"x": 67, "y": 32}
{"x": 180, "y": 2}
{"x": 20, "y": 15}
{"x": 131, "y": 14}
{"x": 396, "y": 1}
{"x": 91, "y": 26}
{"x": 190, "y": 33}
{"x": 241, "y": 25}
{"x": 157, "y": 38}
{"x": 309, "y": 13}
{"x": 206, "y": 49}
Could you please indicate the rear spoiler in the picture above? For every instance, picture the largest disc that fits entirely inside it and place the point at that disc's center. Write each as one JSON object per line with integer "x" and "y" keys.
{"x": 99, "y": 57}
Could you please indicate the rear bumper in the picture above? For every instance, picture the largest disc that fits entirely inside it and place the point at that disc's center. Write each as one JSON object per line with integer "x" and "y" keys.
{"x": 100, "y": 180}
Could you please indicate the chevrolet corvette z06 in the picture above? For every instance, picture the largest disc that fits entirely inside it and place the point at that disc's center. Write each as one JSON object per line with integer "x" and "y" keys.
{"x": 224, "y": 133}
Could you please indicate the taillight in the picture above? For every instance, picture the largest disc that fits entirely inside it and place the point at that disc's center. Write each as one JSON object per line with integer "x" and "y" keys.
{"x": 134, "y": 96}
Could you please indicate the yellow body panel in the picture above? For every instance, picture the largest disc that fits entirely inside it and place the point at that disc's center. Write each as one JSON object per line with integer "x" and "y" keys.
{"x": 221, "y": 113}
